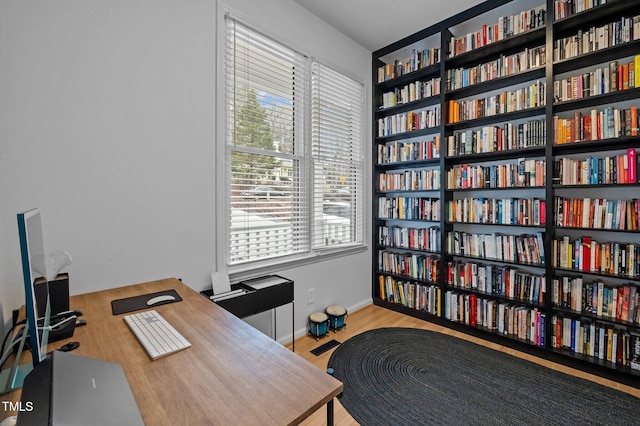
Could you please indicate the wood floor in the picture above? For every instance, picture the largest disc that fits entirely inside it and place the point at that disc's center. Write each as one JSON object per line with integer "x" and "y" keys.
{"x": 372, "y": 317}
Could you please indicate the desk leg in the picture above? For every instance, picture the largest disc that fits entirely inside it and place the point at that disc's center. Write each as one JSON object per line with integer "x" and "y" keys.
{"x": 293, "y": 327}
{"x": 330, "y": 413}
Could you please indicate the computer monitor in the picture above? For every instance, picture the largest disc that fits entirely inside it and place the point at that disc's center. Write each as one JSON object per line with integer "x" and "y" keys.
{"x": 35, "y": 333}
{"x": 33, "y": 255}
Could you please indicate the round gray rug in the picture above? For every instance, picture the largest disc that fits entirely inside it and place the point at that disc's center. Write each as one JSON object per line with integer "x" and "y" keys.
{"x": 406, "y": 376}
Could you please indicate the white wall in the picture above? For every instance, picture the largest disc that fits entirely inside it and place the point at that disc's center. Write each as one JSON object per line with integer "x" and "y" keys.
{"x": 107, "y": 123}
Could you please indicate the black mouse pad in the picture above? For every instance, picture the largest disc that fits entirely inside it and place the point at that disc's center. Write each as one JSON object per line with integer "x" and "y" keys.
{"x": 135, "y": 303}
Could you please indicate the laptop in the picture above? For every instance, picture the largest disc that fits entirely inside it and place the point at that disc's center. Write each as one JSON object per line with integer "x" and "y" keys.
{"x": 83, "y": 391}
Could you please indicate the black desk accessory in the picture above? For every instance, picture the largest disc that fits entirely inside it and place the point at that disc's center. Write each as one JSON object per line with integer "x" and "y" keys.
{"x": 57, "y": 290}
{"x": 260, "y": 294}
{"x": 54, "y": 318}
{"x": 69, "y": 346}
{"x": 61, "y": 326}
{"x": 136, "y": 303}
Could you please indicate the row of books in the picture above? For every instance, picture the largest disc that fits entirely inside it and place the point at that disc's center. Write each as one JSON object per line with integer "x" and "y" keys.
{"x": 523, "y": 249}
{"x": 504, "y": 66}
{"x": 520, "y": 173}
{"x": 602, "y": 341}
{"x": 528, "y": 97}
{"x": 611, "y": 169}
{"x": 427, "y": 239}
{"x": 613, "y": 77}
{"x": 505, "y": 27}
{"x": 596, "y": 213}
{"x": 505, "y": 318}
{"x": 507, "y": 137}
{"x": 607, "y": 123}
{"x": 419, "y": 59}
{"x": 588, "y": 255}
{"x": 412, "y": 92}
{"x": 505, "y": 211}
{"x": 505, "y": 281}
{"x": 402, "y": 151}
{"x": 617, "y": 302}
{"x": 410, "y": 180}
{"x": 410, "y": 208}
{"x": 409, "y": 121}
{"x": 612, "y": 34}
{"x": 565, "y": 8}
{"x": 417, "y": 266}
{"x": 410, "y": 294}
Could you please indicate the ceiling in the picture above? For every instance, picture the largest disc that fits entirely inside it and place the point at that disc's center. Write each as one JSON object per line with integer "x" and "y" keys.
{"x": 377, "y": 23}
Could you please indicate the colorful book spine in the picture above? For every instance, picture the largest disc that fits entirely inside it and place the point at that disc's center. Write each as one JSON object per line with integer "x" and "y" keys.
{"x": 400, "y": 151}
{"x": 607, "y": 214}
{"x": 522, "y": 249}
{"x": 633, "y": 165}
{"x": 607, "y": 123}
{"x": 516, "y": 322}
{"x": 425, "y": 298}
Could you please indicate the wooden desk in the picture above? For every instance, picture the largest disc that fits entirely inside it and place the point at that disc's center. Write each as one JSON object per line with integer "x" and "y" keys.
{"x": 232, "y": 373}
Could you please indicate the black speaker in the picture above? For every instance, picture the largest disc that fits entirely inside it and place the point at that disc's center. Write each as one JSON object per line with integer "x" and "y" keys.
{"x": 58, "y": 294}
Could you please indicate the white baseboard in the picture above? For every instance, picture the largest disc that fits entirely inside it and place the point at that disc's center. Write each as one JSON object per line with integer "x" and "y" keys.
{"x": 303, "y": 331}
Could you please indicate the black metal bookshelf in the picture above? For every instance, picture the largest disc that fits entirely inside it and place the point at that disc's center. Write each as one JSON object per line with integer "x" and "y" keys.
{"x": 545, "y": 34}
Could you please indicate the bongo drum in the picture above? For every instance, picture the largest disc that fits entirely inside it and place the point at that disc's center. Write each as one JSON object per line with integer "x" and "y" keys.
{"x": 337, "y": 316}
{"x": 318, "y": 324}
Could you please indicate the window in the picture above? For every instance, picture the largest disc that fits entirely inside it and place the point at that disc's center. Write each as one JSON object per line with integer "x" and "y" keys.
{"x": 293, "y": 163}
{"x": 338, "y": 162}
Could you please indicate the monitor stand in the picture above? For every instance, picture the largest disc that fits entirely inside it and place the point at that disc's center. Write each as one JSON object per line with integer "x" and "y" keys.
{"x": 13, "y": 378}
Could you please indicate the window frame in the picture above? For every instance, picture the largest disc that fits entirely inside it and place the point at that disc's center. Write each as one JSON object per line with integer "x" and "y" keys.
{"x": 221, "y": 190}
{"x": 321, "y": 157}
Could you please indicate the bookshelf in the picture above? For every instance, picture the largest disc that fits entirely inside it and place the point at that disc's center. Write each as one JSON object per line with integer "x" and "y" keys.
{"x": 408, "y": 177}
{"x": 505, "y": 184}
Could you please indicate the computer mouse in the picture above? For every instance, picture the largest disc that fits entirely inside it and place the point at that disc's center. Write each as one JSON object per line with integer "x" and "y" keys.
{"x": 160, "y": 299}
{"x": 69, "y": 346}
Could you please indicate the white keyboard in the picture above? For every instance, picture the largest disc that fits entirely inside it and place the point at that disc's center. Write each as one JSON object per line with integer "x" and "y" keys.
{"x": 156, "y": 335}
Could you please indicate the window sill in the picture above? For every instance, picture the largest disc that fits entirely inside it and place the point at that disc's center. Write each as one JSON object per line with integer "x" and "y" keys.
{"x": 271, "y": 266}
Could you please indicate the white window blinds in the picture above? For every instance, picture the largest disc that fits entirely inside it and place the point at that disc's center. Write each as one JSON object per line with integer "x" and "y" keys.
{"x": 266, "y": 87}
{"x": 293, "y": 152}
{"x": 338, "y": 161}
